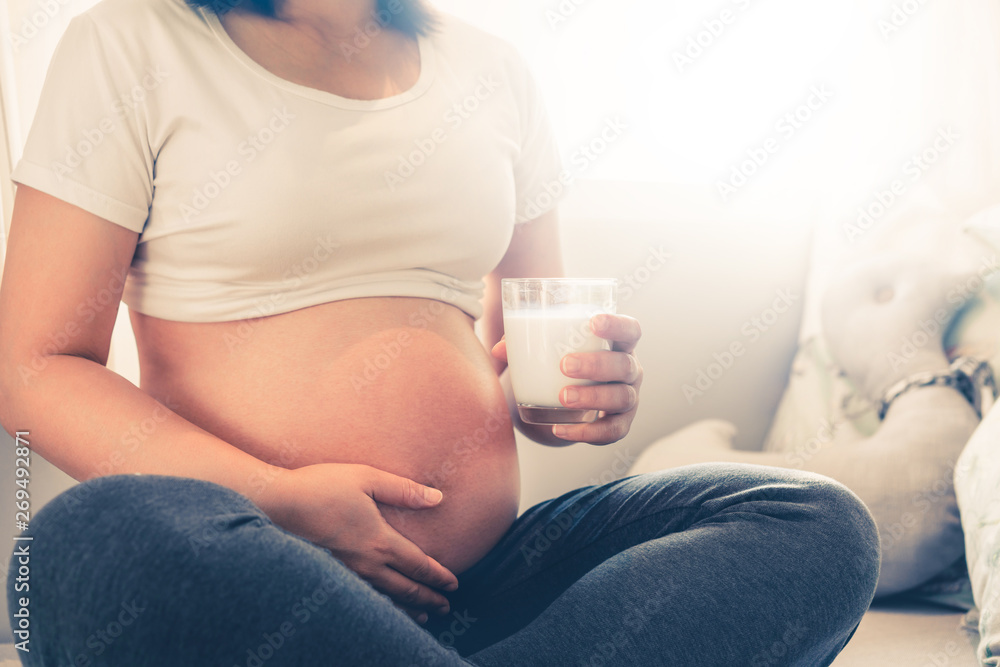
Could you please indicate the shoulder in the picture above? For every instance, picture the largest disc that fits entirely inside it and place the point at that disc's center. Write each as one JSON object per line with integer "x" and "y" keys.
{"x": 141, "y": 24}
{"x": 454, "y": 30}
{"x": 461, "y": 40}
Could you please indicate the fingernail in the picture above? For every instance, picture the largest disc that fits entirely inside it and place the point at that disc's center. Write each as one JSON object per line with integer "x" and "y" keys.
{"x": 560, "y": 431}
{"x": 452, "y": 586}
{"x": 571, "y": 365}
{"x": 571, "y": 395}
{"x": 443, "y": 610}
{"x": 422, "y": 619}
{"x": 432, "y": 495}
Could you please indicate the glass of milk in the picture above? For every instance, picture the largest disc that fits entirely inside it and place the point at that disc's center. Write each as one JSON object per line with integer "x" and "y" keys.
{"x": 543, "y": 321}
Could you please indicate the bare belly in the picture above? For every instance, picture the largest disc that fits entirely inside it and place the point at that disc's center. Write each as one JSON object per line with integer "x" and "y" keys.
{"x": 399, "y": 384}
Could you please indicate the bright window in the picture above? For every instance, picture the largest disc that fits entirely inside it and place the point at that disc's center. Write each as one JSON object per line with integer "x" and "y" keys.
{"x": 704, "y": 85}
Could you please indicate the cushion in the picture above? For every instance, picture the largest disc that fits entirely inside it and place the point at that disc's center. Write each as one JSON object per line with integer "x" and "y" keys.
{"x": 822, "y": 407}
{"x": 977, "y": 475}
{"x": 977, "y": 482}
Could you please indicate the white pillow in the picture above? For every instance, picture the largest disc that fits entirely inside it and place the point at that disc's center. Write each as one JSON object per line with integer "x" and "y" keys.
{"x": 819, "y": 395}
{"x": 977, "y": 474}
{"x": 977, "y": 485}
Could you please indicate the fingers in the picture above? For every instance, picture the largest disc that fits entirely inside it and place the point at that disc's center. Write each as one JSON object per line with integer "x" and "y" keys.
{"x": 418, "y": 615}
{"x": 408, "y": 594}
{"x": 408, "y": 559}
{"x": 622, "y": 330}
{"x": 389, "y": 489}
{"x": 617, "y": 400}
{"x": 499, "y": 350}
{"x": 604, "y": 431}
{"x": 602, "y": 367}
{"x": 610, "y": 398}
{"x": 406, "y": 574}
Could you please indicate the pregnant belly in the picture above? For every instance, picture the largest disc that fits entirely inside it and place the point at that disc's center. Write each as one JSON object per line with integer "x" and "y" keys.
{"x": 416, "y": 397}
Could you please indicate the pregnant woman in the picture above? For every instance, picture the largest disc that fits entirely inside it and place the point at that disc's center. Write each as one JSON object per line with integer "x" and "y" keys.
{"x": 313, "y": 202}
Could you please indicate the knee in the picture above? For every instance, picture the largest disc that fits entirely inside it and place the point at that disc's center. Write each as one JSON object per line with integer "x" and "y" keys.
{"x": 149, "y": 515}
{"x": 117, "y": 504}
{"x": 843, "y": 513}
{"x": 845, "y": 537}
{"x": 828, "y": 528}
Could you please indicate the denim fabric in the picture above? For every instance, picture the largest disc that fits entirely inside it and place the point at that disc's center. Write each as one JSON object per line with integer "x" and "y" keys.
{"x": 704, "y": 565}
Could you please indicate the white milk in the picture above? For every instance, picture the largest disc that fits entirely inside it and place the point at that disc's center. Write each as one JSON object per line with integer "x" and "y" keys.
{"x": 537, "y": 340}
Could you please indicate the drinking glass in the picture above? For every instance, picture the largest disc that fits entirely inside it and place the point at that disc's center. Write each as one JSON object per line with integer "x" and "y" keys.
{"x": 544, "y": 320}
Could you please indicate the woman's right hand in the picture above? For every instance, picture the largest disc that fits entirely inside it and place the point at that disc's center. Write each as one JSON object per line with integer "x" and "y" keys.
{"x": 334, "y": 506}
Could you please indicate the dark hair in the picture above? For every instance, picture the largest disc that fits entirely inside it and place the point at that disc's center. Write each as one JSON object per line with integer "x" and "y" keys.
{"x": 413, "y": 17}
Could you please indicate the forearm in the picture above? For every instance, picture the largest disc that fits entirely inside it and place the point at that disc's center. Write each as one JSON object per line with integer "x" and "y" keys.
{"x": 91, "y": 422}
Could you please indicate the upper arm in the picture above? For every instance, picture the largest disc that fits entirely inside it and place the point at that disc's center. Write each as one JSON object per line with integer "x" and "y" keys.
{"x": 62, "y": 283}
{"x": 534, "y": 252}
{"x": 74, "y": 230}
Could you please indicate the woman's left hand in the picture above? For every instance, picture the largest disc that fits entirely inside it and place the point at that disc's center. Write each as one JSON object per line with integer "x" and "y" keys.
{"x": 619, "y": 372}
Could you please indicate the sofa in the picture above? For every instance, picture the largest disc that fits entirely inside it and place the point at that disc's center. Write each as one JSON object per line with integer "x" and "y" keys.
{"x": 724, "y": 264}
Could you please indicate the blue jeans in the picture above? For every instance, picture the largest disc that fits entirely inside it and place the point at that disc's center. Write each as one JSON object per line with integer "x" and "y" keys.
{"x": 703, "y": 565}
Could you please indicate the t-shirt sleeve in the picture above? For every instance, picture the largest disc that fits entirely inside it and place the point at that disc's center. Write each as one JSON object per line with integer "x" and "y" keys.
{"x": 88, "y": 144}
{"x": 538, "y": 171}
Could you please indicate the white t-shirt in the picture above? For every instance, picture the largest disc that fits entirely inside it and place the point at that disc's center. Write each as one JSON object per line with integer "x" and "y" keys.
{"x": 255, "y": 195}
